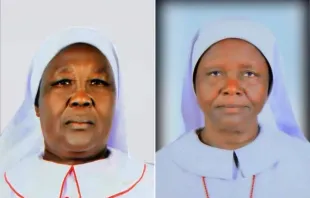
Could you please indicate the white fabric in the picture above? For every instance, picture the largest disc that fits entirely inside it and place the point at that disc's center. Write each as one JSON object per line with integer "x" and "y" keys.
{"x": 35, "y": 178}
{"x": 280, "y": 163}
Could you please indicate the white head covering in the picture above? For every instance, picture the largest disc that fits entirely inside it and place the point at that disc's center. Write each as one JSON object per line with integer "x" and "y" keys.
{"x": 264, "y": 40}
{"x": 22, "y": 136}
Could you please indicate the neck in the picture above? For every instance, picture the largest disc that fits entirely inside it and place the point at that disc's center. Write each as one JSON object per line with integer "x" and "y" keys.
{"x": 228, "y": 139}
{"x": 50, "y": 156}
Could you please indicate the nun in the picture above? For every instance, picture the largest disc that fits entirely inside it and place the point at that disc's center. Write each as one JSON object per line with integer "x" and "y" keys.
{"x": 228, "y": 150}
{"x": 68, "y": 139}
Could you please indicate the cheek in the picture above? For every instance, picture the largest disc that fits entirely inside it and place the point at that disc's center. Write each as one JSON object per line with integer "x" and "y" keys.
{"x": 206, "y": 94}
{"x": 54, "y": 104}
{"x": 49, "y": 123}
{"x": 257, "y": 94}
{"x": 104, "y": 105}
{"x": 51, "y": 108}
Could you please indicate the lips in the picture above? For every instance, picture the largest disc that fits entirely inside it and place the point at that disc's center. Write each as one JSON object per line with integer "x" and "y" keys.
{"x": 231, "y": 108}
{"x": 79, "y": 122}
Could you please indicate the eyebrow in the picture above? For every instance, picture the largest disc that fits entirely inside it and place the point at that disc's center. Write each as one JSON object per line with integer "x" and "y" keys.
{"x": 247, "y": 66}
{"x": 104, "y": 69}
{"x": 64, "y": 69}
{"x": 215, "y": 64}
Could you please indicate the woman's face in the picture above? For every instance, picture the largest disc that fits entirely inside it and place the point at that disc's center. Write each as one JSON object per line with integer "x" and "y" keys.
{"x": 232, "y": 83}
{"x": 76, "y": 102}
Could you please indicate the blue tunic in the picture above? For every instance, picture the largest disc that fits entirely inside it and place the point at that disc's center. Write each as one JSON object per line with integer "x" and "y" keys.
{"x": 280, "y": 163}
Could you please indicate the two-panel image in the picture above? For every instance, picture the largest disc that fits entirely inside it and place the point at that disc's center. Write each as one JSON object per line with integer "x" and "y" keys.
{"x": 147, "y": 99}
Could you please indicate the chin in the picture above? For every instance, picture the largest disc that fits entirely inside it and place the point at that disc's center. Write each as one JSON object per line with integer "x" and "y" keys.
{"x": 230, "y": 124}
{"x": 79, "y": 144}
{"x": 79, "y": 148}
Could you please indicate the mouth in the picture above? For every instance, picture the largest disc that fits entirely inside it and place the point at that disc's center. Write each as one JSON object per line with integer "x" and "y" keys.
{"x": 231, "y": 108}
{"x": 79, "y": 123}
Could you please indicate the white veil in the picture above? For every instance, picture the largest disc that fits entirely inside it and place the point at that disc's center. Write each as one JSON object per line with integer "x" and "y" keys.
{"x": 22, "y": 136}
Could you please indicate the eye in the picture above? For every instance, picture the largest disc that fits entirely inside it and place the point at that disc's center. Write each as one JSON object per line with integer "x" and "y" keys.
{"x": 62, "y": 82}
{"x": 99, "y": 82}
{"x": 250, "y": 74}
{"x": 214, "y": 73}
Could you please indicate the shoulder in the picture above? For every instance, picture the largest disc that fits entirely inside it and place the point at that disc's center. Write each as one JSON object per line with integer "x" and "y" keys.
{"x": 18, "y": 170}
{"x": 169, "y": 174}
{"x": 142, "y": 172}
{"x": 11, "y": 178}
{"x": 166, "y": 159}
{"x": 133, "y": 163}
{"x": 165, "y": 155}
{"x": 296, "y": 148}
{"x": 165, "y": 152}
{"x": 146, "y": 184}
{"x": 294, "y": 162}
{"x": 295, "y": 157}
{"x": 285, "y": 145}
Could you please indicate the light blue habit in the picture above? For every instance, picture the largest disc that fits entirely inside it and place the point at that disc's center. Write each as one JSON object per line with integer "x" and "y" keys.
{"x": 279, "y": 157}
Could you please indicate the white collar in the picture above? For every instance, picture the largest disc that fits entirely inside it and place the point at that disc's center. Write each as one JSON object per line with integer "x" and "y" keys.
{"x": 106, "y": 177}
{"x": 254, "y": 158}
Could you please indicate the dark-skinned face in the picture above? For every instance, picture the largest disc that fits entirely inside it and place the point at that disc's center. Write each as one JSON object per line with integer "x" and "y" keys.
{"x": 76, "y": 102}
{"x": 231, "y": 83}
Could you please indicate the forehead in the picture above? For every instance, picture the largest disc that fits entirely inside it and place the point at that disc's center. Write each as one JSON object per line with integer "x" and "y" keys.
{"x": 233, "y": 49}
{"x": 78, "y": 53}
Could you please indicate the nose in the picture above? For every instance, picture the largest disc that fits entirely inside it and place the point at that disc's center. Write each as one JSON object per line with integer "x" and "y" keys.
{"x": 232, "y": 87}
{"x": 81, "y": 99}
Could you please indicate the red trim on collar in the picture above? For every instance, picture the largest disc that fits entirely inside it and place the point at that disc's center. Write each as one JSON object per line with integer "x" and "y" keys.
{"x": 131, "y": 187}
{"x": 77, "y": 182}
{"x": 12, "y": 188}
{"x": 71, "y": 170}
{"x": 75, "y": 177}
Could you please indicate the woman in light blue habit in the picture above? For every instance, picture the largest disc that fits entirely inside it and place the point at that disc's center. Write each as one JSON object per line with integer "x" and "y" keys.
{"x": 230, "y": 150}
